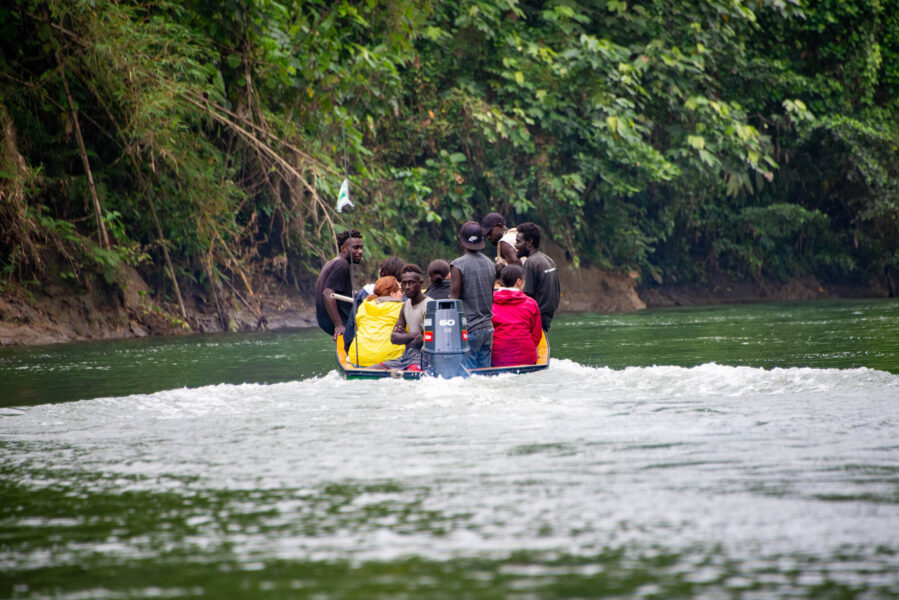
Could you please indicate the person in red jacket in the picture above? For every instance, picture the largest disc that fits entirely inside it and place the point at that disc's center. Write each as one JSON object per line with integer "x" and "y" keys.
{"x": 516, "y": 322}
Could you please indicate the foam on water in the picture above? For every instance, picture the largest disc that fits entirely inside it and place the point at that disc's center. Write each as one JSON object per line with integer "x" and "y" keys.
{"x": 755, "y": 462}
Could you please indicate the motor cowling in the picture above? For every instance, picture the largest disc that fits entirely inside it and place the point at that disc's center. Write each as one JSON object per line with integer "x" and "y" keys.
{"x": 445, "y": 336}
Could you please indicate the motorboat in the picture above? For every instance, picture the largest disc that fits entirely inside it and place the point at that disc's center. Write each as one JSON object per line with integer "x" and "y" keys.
{"x": 443, "y": 351}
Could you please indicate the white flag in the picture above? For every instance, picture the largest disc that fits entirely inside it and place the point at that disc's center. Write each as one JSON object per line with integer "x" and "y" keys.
{"x": 343, "y": 196}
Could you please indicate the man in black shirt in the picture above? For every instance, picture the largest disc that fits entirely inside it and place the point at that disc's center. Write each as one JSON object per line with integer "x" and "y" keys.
{"x": 541, "y": 278}
{"x": 335, "y": 278}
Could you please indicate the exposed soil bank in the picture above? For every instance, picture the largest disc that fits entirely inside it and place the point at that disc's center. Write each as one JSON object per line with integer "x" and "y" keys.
{"x": 723, "y": 291}
{"x": 62, "y": 312}
{"x": 65, "y": 313}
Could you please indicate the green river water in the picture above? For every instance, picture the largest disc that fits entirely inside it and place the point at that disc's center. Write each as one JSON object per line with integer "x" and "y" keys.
{"x": 726, "y": 452}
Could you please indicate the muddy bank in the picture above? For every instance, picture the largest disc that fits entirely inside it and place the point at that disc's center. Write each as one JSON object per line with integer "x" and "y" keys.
{"x": 720, "y": 290}
{"x": 62, "y": 312}
{"x": 590, "y": 289}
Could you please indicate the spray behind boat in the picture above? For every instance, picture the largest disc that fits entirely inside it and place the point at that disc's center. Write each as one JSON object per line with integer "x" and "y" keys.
{"x": 445, "y": 338}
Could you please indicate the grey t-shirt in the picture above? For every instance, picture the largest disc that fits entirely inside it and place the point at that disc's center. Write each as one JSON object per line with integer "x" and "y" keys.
{"x": 415, "y": 314}
{"x": 478, "y": 274}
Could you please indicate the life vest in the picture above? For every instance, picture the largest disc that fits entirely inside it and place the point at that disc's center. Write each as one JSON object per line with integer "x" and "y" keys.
{"x": 375, "y": 320}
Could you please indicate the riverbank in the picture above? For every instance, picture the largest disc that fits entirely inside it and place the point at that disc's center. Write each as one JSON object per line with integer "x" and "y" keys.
{"x": 721, "y": 290}
{"x": 62, "y": 312}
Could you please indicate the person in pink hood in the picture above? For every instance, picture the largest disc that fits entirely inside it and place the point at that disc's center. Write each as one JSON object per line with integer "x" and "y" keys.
{"x": 516, "y": 322}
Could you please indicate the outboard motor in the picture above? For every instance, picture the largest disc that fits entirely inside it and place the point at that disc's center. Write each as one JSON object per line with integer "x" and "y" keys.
{"x": 445, "y": 338}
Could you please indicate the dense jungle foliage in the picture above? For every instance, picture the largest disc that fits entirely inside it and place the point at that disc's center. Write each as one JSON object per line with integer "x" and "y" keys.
{"x": 203, "y": 143}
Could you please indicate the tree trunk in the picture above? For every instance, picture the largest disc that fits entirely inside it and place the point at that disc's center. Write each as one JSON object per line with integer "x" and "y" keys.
{"x": 223, "y": 318}
{"x": 104, "y": 238}
{"x": 165, "y": 253}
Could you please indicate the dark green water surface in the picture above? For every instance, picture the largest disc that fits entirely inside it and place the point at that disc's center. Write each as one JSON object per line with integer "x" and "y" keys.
{"x": 744, "y": 452}
{"x": 839, "y": 334}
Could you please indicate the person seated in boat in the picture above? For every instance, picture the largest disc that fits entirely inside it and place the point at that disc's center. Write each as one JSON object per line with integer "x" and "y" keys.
{"x": 439, "y": 276}
{"x": 375, "y": 320}
{"x": 389, "y": 266}
{"x": 517, "y": 328}
{"x": 410, "y": 324}
{"x": 497, "y": 283}
{"x": 335, "y": 278}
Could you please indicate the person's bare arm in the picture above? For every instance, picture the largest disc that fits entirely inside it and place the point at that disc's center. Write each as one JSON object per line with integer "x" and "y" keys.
{"x": 399, "y": 335}
{"x": 508, "y": 252}
{"x": 455, "y": 283}
{"x": 331, "y": 308}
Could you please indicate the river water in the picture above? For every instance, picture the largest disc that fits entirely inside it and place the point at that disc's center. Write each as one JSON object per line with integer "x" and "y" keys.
{"x": 731, "y": 452}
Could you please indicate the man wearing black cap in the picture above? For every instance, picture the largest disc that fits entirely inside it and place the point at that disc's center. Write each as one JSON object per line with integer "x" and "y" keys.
{"x": 471, "y": 280}
{"x": 494, "y": 227}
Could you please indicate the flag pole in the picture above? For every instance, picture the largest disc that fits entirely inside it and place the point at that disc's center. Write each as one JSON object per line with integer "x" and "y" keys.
{"x": 343, "y": 200}
{"x": 346, "y": 178}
